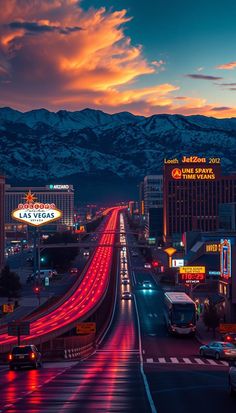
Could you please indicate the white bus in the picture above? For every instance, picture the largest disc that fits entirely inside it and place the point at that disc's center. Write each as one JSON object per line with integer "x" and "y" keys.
{"x": 180, "y": 313}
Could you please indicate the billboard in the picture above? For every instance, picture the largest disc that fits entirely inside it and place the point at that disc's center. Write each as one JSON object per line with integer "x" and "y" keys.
{"x": 193, "y": 168}
{"x": 225, "y": 258}
{"x": 192, "y": 274}
{"x": 179, "y": 262}
{"x": 36, "y": 213}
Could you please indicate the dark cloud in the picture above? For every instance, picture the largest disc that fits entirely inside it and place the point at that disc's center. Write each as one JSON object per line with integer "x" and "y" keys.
{"x": 203, "y": 77}
{"x": 220, "y": 108}
{"x": 33, "y": 27}
{"x": 226, "y": 84}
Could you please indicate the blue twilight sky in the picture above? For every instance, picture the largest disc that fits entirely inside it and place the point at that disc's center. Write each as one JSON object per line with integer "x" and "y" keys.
{"x": 185, "y": 63}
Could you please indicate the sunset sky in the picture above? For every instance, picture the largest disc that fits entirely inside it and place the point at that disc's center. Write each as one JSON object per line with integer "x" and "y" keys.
{"x": 145, "y": 57}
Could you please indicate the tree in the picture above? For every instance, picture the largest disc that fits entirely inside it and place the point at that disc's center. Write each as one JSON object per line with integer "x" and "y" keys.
{"x": 211, "y": 317}
{"x": 10, "y": 285}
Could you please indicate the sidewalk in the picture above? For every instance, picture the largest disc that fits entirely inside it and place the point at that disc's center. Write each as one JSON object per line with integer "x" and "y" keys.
{"x": 204, "y": 336}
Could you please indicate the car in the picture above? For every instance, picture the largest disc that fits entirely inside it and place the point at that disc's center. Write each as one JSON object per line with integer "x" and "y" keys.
{"x": 232, "y": 377}
{"x": 146, "y": 284}
{"x": 125, "y": 281}
{"x": 147, "y": 265}
{"x": 134, "y": 254}
{"x": 74, "y": 270}
{"x": 230, "y": 338}
{"x": 24, "y": 356}
{"x": 126, "y": 295}
{"x": 218, "y": 350}
{"x": 86, "y": 253}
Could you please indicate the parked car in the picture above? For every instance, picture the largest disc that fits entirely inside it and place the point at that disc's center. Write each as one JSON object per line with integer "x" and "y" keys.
{"x": 126, "y": 295}
{"x": 218, "y": 350}
{"x": 24, "y": 356}
{"x": 50, "y": 273}
{"x": 230, "y": 338}
{"x": 74, "y": 270}
{"x": 232, "y": 377}
{"x": 147, "y": 265}
{"x": 134, "y": 254}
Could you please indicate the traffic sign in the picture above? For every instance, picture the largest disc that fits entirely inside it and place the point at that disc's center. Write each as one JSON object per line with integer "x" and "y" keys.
{"x": 86, "y": 328}
{"x": 7, "y": 308}
{"x": 227, "y": 328}
{"x": 16, "y": 328}
{"x": 192, "y": 270}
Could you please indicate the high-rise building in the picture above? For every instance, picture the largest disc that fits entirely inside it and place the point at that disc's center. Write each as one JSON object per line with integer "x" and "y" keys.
{"x": 61, "y": 195}
{"x": 153, "y": 204}
{"x": 227, "y": 217}
{"x": 2, "y": 223}
{"x": 193, "y": 189}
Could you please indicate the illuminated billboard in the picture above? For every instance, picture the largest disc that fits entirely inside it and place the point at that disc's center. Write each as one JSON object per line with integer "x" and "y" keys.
{"x": 225, "y": 258}
{"x": 179, "y": 262}
{"x": 193, "y": 168}
{"x": 36, "y": 213}
{"x": 192, "y": 274}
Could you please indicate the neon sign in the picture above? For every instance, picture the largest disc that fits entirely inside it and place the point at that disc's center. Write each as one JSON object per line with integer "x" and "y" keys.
{"x": 225, "y": 258}
{"x": 36, "y": 213}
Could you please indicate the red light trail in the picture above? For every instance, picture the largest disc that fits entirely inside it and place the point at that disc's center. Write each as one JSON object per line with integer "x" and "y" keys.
{"x": 85, "y": 298}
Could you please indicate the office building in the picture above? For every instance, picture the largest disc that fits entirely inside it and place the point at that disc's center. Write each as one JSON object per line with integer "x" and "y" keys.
{"x": 227, "y": 217}
{"x": 153, "y": 205}
{"x": 193, "y": 189}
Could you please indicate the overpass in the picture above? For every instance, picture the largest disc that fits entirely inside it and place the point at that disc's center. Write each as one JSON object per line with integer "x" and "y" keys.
{"x": 82, "y": 300}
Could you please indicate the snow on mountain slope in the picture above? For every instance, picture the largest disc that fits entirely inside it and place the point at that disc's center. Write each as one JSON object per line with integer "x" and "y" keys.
{"x": 43, "y": 145}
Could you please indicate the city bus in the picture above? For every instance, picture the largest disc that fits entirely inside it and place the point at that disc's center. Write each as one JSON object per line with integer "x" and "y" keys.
{"x": 180, "y": 313}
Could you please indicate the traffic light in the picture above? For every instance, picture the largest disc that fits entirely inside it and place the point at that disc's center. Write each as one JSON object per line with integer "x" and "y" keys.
{"x": 42, "y": 259}
{"x": 36, "y": 289}
{"x": 155, "y": 264}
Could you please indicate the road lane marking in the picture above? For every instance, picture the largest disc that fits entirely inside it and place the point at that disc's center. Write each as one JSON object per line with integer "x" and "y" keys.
{"x": 224, "y": 363}
{"x": 146, "y": 385}
{"x": 149, "y": 360}
{"x": 199, "y": 361}
{"x": 212, "y": 362}
{"x": 187, "y": 360}
{"x": 174, "y": 360}
{"x": 161, "y": 360}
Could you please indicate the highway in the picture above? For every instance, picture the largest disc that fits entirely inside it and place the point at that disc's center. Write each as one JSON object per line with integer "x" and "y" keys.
{"x": 83, "y": 300}
{"x": 174, "y": 378}
{"x": 109, "y": 381}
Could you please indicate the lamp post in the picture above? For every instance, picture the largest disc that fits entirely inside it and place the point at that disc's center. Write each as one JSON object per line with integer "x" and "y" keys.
{"x": 170, "y": 251}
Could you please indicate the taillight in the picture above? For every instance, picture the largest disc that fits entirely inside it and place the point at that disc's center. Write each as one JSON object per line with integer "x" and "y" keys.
{"x": 9, "y": 357}
{"x": 32, "y": 355}
{"x": 228, "y": 338}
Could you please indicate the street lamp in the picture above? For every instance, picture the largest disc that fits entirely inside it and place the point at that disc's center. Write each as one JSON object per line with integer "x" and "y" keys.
{"x": 170, "y": 251}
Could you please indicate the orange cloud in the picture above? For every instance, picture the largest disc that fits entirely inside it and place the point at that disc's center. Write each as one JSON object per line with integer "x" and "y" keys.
{"x": 227, "y": 66}
{"x": 54, "y": 54}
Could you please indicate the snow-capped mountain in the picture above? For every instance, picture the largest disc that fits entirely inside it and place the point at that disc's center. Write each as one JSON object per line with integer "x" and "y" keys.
{"x": 40, "y": 145}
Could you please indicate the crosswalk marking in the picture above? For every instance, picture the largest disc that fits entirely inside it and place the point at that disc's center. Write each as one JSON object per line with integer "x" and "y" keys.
{"x": 199, "y": 361}
{"x": 224, "y": 362}
{"x": 187, "y": 361}
{"x": 212, "y": 362}
{"x": 174, "y": 360}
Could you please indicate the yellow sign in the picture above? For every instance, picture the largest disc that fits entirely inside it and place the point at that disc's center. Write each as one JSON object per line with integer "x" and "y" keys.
{"x": 192, "y": 270}
{"x": 212, "y": 247}
{"x": 7, "y": 308}
{"x": 227, "y": 328}
{"x": 86, "y": 328}
{"x": 193, "y": 173}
